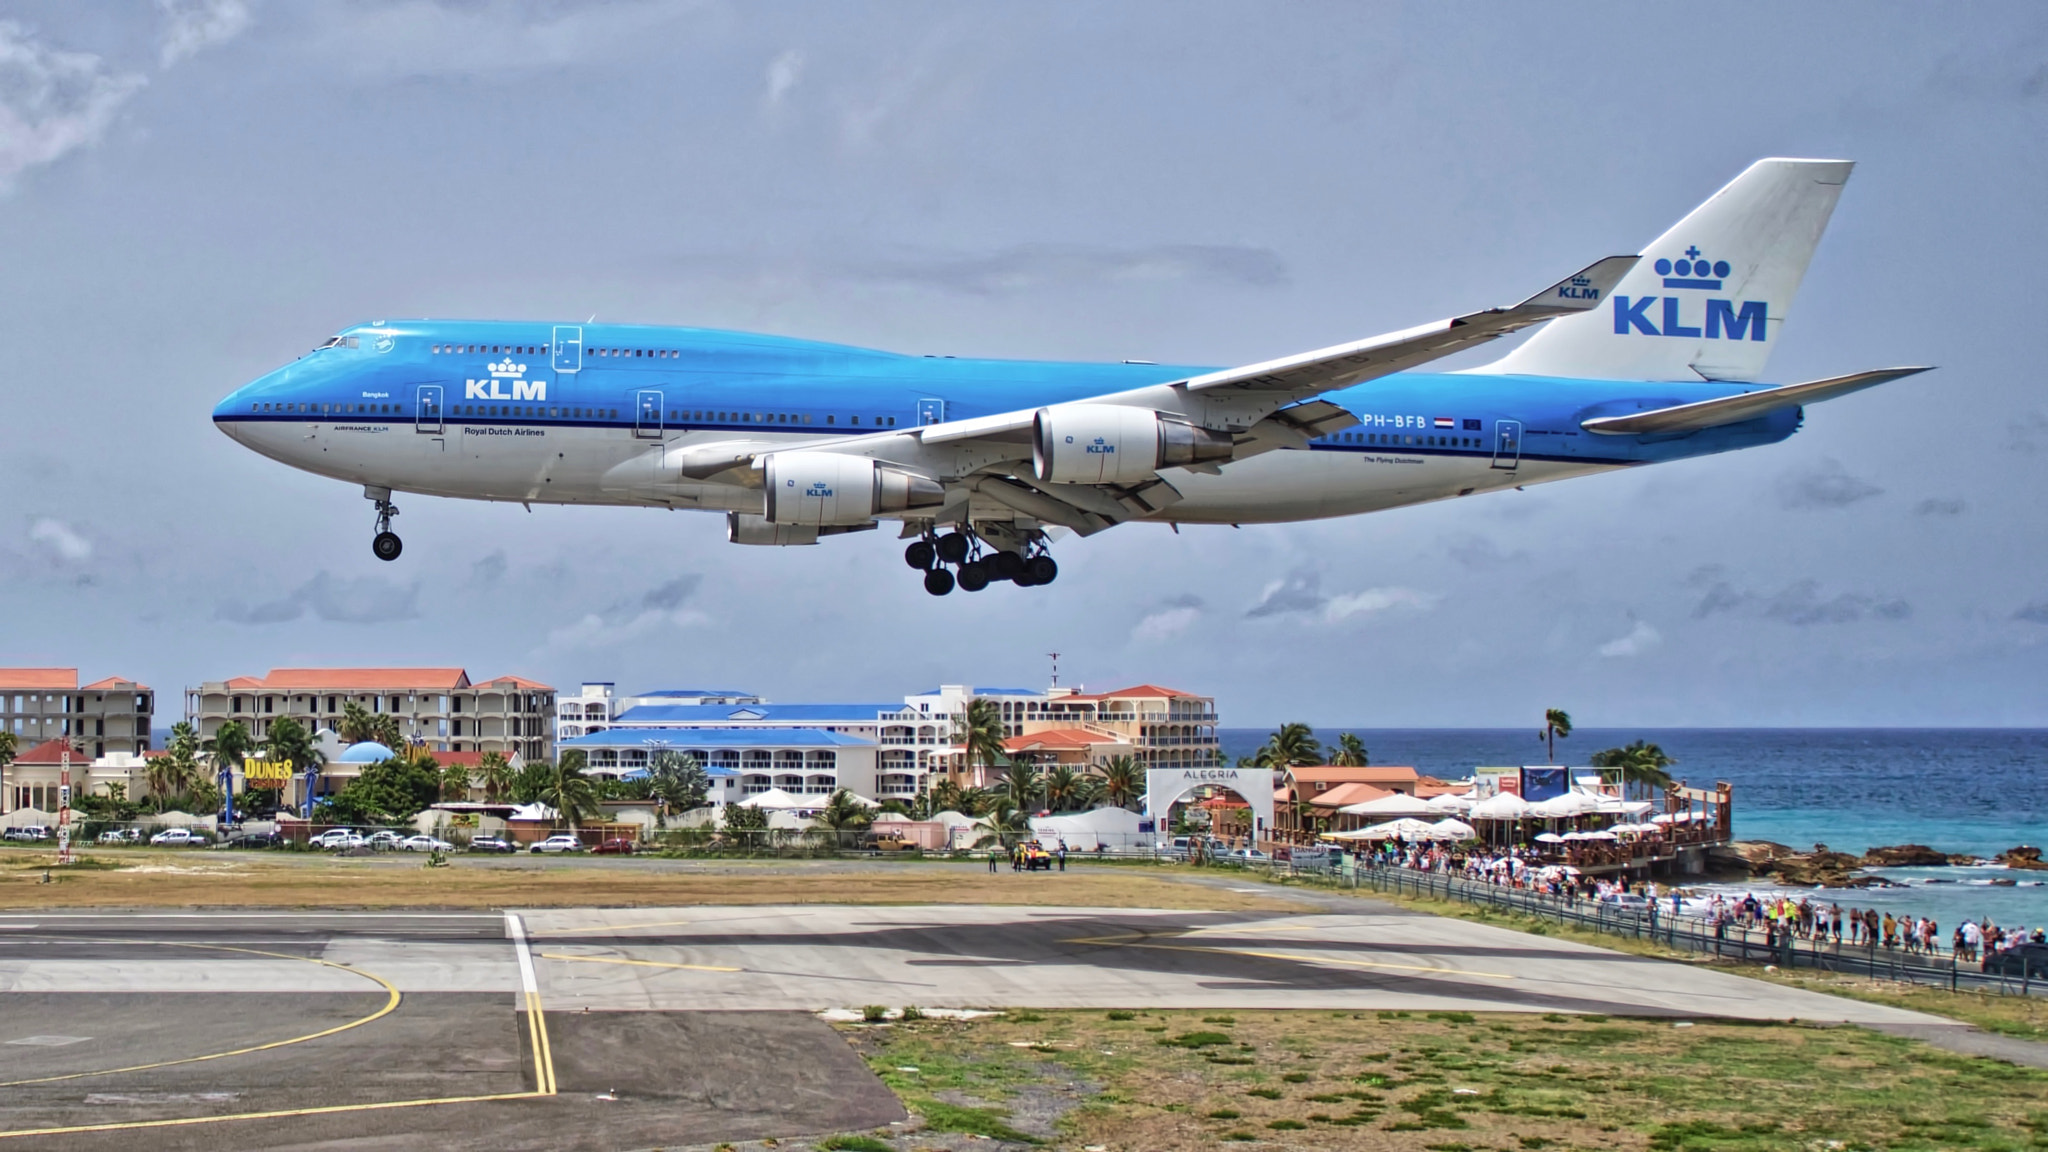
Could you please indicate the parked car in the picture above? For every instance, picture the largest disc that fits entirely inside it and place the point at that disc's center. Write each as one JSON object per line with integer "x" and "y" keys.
{"x": 338, "y": 838}
{"x": 174, "y": 837}
{"x": 887, "y": 840}
{"x": 491, "y": 844}
{"x": 29, "y": 832}
{"x": 121, "y": 836}
{"x": 425, "y": 843}
{"x": 1626, "y": 900}
{"x": 1247, "y": 855}
{"x": 2027, "y": 961}
{"x": 253, "y": 840}
{"x": 383, "y": 838}
{"x": 616, "y": 846}
{"x": 559, "y": 843}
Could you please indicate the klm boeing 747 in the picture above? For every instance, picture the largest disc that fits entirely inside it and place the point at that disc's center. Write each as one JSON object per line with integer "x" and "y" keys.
{"x": 1644, "y": 359}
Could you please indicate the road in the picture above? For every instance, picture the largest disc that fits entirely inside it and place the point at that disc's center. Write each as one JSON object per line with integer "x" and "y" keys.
{"x": 506, "y": 1031}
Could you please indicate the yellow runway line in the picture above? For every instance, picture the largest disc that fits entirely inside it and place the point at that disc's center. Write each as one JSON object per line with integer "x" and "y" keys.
{"x": 637, "y": 963}
{"x": 326, "y": 1110}
{"x": 390, "y": 1005}
{"x": 614, "y": 927}
{"x": 1141, "y": 942}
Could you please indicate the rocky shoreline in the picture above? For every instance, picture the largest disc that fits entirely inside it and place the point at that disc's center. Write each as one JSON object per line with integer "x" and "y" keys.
{"x": 1822, "y": 868}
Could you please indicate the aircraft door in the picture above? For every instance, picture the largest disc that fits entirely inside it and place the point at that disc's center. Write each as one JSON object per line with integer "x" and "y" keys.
{"x": 931, "y": 411}
{"x": 428, "y": 410}
{"x": 568, "y": 348}
{"x": 647, "y": 414}
{"x": 1507, "y": 444}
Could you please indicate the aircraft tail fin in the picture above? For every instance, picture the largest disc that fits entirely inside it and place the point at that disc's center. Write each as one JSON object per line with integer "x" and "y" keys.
{"x": 1710, "y": 297}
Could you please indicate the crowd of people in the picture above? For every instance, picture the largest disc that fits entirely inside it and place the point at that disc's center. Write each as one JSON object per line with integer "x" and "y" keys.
{"x": 1778, "y": 917}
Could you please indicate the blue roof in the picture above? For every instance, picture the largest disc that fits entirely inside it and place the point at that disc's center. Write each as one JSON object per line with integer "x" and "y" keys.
{"x": 366, "y": 752}
{"x": 785, "y": 713}
{"x": 696, "y": 692}
{"x": 680, "y": 739}
{"x": 993, "y": 692}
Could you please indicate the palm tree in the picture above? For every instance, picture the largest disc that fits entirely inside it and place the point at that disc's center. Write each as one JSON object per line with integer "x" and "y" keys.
{"x": 291, "y": 744}
{"x": 356, "y": 724}
{"x": 1023, "y": 785}
{"x": 1557, "y": 724}
{"x": 455, "y": 782}
{"x": 1004, "y": 820}
{"x": 229, "y": 747}
{"x": 678, "y": 781}
{"x": 980, "y": 731}
{"x": 976, "y": 801}
{"x": 843, "y": 813}
{"x": 1639, "y": 761}
{"x": 1350, "y": 752}
{"x": 7, "y": 746}
{"x": 1064, "y": 788}
{"x": 568, "y": 791}
{"x": 384, "y": 730}
{"x": 1123, "y": 781}
{"x": 177, "y": 770}
{"x": 1293, "y": 745}
{"x": 494, "y": 772}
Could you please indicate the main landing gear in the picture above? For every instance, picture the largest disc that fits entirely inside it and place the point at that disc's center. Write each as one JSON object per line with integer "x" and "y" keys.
{"x": 973, "y": 569}
{"x": 385, "y": 543}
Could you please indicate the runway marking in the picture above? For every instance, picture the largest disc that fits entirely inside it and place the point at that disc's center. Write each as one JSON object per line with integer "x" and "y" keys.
{"x": 280, "y": 1114}
{"x": 1139, "y": 941}
{"x": 638, "y": 963}
{"x": 611, "y": 928}
{"x": 536, "y": 1018}
{"x": 390, "y": 1005}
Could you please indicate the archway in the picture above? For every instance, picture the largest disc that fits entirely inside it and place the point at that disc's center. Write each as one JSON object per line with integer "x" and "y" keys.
{"x": 1164, "y": 787}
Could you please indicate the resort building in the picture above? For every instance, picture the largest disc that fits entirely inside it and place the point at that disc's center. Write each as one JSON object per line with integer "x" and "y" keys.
{"x": 1076, "y": 748}
{"x": 747, "y": 761}
{"x": 441, "y": 707}
{"x": 33, "y": 779}
{"x": 39, "y": 704}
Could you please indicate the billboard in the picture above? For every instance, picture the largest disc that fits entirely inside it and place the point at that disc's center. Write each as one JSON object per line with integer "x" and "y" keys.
{"x": 264, "y": 774}
{"x": 1543, "y": 783}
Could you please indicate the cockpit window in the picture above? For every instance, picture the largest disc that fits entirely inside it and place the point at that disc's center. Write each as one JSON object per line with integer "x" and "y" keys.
{"x": 338, "y": 342}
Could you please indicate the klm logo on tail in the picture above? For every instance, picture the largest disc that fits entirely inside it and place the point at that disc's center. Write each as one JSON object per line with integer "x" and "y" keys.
{"x": 1723, "y": 320}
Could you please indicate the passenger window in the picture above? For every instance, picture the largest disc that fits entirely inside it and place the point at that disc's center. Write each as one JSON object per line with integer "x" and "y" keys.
{"x": 856, "y": 419}
{"x": 828, "y": 419}
{"x": 615, "y": 413}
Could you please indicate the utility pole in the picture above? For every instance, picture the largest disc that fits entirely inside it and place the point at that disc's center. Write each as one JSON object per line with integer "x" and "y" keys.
{"x": 1055, "y": 668}
{"x": 64, "y": 808}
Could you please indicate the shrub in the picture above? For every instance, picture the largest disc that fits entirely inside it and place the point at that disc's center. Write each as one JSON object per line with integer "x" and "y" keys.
{"x": 1194, "y": 1040}
{"x": 854, "y": 1143}
{"x": 874, "y": 1013}
{"x": 1296, "y": 1077}
{"x": 1225, "y": 1114}
{"x": 1452, "y": 1017}
{"x": 1285, "y": 1125}
{"x": 1219, "y": 1019}
{"x": 1123, "y": 1015}
{"x": 912, "y": 1012}
{"x": 1263, "y": 1093}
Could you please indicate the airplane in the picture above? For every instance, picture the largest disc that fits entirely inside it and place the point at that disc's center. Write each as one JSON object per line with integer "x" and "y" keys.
{"x": 1643, "y": 359}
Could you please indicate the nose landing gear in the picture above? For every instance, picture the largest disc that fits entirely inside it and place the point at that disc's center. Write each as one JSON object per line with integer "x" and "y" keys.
{"x": 1025, "y": 564}
{"x": 385, "y": 543}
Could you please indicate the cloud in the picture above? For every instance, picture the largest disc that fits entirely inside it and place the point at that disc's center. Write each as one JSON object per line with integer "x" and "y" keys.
{"x": 333, "y": 599}
{"x": 196, "y": 25}
{"x": 662, "y": 606}
{"x": 489, "y": 569}
{"x": 63, "y": 542}
{"x": 1721, "y": 597}
{"x": 1640, "y": 639}
{"x": 52, "y": 102}
{"x": 1027, "y": 267}
{"x": 670, "y": 596}
{"x": 1801, "y": 604}
{"x": 784, "y": 72}
{"x": 1938, "y": 506}
{"x": 1482, "y": 553}
{"x": 2035, "y": 613}
{"x": 488, "y": 39}
{"x": 1172, "y": 617}
{"x": 1301, "y": 593}
{"x": 1825, "y": 485}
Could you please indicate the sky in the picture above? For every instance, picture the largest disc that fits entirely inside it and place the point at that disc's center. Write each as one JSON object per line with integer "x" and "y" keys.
{"x": 193, "y": 192}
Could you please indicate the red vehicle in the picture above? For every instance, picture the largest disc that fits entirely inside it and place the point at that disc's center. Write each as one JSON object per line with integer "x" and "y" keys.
{"x": 616, "y": 846}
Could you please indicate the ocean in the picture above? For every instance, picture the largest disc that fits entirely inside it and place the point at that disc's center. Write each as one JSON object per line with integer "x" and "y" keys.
{"x": 1960, "y": 790}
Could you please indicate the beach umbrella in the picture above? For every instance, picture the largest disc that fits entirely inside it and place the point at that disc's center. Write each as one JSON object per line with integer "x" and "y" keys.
{"x": 1598, "y": 836}
{"x": 1503, "y": 806}
{"x": 776, "y": 798}
{"x": 1549, "y": 838}
{"x": 1567, "y": 805}
{"x": 1452, "y": 802}
{"x": 1453, "y": 829}
{"x": 1394, "y": 804}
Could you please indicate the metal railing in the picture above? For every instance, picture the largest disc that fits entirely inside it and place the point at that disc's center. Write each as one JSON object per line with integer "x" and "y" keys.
{"x": 1697, "y": 934}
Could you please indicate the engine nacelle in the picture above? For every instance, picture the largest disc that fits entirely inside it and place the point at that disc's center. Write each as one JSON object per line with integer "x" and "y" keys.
{"x": 747, "y": 528}
{"x": 823, "y": 488}
{"x": 1112, "y": 444}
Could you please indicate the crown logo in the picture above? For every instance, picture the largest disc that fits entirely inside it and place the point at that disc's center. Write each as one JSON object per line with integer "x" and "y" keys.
{"x": 506, "y": 368}
{"x": 1693, "y": 271}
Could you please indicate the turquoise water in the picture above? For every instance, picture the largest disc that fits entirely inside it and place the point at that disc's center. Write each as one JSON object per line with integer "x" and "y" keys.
{"x": 1976, "y": 791}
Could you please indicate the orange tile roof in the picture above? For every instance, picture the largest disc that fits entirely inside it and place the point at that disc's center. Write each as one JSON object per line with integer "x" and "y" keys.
{"x": 39, "y": 677}
{"x": 1059, "y": 738}
{"x": 114, "y": 682}
{"x": 52, "y": 752}
{"x": 365, "y": 679}
{"x": 515, "y": 682}
{"x": 1353, "y": 793}
{"x": 1330, "y": 774}
{"x": 1150, "y": 691}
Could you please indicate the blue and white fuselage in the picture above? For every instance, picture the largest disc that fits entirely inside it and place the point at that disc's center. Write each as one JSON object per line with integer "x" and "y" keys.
{"x": 1642, "y": 359}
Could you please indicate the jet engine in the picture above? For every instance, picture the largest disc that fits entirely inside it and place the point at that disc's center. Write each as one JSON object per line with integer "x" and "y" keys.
{"x": 822, "y": 488}
{"x": 1112, "y": 444}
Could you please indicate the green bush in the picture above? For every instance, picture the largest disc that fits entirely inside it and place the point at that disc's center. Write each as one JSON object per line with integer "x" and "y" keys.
{"x": 1285, "y": 1125}
{"x": 874, "y": 1013}
{"x": 1225, "y": 1114}
{"x": 854, "y": 1143}
{"x": 912, "y": 1012}
{"x": 1123, "y": 1015}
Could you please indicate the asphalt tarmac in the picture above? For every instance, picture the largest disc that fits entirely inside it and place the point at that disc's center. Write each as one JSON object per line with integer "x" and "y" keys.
{"x": 633, "y": 1028}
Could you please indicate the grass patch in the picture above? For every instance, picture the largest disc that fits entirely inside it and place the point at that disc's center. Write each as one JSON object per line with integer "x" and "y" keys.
{"x": 1123, "y": 1015}
{"x": 1529, "y": 1085}
{"x": 855, "y": 1143}
{"x": 1194, "y": 1040}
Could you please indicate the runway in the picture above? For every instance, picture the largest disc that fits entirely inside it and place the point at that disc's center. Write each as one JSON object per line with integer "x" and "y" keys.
{"x": 505, "y": 1030}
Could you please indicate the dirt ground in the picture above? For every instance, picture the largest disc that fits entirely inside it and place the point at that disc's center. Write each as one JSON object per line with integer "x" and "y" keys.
{"x": 214, "y": 879}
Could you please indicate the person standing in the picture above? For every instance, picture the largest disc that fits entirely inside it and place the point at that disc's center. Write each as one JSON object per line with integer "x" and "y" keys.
{"x": 1063, "y": 854}
{"x": 991, "y": 861}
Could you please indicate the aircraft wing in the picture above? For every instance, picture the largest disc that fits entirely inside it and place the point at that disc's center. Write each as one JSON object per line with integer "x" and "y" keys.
{"x": 1745, "y": 406}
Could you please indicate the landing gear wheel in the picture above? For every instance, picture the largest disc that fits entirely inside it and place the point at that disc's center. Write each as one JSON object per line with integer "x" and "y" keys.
{"x": 938, "y": 581}
{"x": 1005, "y": 565}
{"x": 973, "y": 576}
{"x": 952, "y": 547}
{"x": 919, "y": 554}
{"x": 1041, "y": 569}
{"x": 387, "y": 545}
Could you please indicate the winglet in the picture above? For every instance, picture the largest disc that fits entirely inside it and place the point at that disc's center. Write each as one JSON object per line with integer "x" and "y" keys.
{"x": 1582, "y": 290}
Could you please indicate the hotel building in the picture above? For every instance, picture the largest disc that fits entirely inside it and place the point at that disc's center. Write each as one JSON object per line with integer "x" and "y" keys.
{"x": 42, "y": 704}
{"x": 441, "y": 706}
